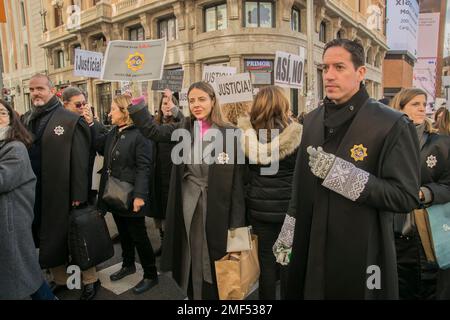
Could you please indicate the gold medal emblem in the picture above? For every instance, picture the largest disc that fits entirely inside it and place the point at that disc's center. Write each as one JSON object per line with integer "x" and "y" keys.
{"x": 135, "y": 62}
{"x": 359, "y": 152}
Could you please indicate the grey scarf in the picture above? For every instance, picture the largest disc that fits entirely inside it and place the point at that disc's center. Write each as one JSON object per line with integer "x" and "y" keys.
{"x": 3, "y": 133}
{"x": 420, "y": 129}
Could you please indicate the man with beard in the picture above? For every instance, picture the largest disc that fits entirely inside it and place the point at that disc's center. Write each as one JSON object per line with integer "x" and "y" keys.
{"x": 358, "y": 164}
{"x": 60, "y": 158}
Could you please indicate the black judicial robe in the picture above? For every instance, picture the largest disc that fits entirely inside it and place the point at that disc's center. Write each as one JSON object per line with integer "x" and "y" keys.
{"x": 60, "y": 160}
{"x": 336, "y": 240}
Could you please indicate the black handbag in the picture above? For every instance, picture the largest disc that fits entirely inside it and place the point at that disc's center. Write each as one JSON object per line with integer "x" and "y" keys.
{"x": 89, "y": 241}
{"x": 118, "y": 194}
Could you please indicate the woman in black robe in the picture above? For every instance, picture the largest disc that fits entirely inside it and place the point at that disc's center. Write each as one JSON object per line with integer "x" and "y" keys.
{"x": 418, "y": 278}
{"x": 206, "y": 198}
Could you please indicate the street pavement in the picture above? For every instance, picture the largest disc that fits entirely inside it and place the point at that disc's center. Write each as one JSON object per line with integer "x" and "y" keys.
{"x": 167, "y": 289}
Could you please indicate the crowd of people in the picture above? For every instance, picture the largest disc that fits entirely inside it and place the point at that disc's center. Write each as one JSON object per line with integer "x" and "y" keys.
{"x": 349, "y": 176}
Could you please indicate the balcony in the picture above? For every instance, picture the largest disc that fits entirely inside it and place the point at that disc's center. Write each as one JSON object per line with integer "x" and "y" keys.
{"x": 359, "y": 18}
{"x": 54, "y": 34}
{"x": 125, "y": 6}
{"x": 101, "y": 12}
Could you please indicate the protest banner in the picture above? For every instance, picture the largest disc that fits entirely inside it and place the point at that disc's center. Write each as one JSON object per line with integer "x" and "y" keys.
{"x": 183, "y": 98}
{"x": 87, "y": 64}
{"x": 235, "y": 88}
{"x": 171, "y": 79}
{"x": 289, "y": 70}
{"x": 134, "y": 61}
{"x": 211, "y": 73}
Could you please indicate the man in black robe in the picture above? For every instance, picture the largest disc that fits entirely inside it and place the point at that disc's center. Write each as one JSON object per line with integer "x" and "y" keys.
{"x": 357, "y": 165}
{"x": 60, "y": 158}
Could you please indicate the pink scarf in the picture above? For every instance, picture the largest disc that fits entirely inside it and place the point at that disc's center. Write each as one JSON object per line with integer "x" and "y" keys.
{"x": 204, "y": 126}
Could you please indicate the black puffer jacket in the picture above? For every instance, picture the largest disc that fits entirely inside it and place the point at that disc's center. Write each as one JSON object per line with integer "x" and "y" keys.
{"x": 130, "y": 157}
{"x": 267, "y": 196}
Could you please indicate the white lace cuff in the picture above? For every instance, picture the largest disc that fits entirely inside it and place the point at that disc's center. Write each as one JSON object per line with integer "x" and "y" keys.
{"x": 346, "y": 179}
{"x": 286, "y": 235}
{"x": 283, "y": 246}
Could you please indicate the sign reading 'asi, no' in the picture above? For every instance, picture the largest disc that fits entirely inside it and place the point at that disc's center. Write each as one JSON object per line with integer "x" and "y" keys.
{"x": 289, "y": 70}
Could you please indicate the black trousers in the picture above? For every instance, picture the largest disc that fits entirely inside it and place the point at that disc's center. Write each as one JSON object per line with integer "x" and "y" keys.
{"x": 133, "y": 234}
{"x": 417, "y": 277}
{"x": 271, "y": 271}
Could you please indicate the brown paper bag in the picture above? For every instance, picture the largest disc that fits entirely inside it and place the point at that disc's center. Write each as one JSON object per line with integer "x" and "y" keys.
{"x": 423, "y": 227}
{"x": 236, "y": 273}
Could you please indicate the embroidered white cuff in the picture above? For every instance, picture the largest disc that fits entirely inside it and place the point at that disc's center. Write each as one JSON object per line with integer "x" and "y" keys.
{"x": 282, "y": 247}
{"x": 346, "y": 179}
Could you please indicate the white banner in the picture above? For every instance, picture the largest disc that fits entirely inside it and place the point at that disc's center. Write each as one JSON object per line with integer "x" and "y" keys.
{"x": 88, "y": 64}
{"x": 289, "y": 70}
{"x": 235, "y": 88}
{"x": 134, "y": 60}
{"x": 425, "y": 77}
{"x": 428, "y": 35}
{"x": 211, "y": 73}
{"x": 183, "y": 98}
{"x": 402, "y": 25}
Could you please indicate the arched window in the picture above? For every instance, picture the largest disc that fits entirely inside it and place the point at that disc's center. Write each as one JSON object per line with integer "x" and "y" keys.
{"x": 369, "y": 56}
{"x": 323, "y": 32}
{"x": 59, "y": 59}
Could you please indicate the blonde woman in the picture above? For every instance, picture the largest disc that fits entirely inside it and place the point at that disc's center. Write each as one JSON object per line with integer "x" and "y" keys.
{"x": 128, "y": 157}
{"x": 419, "y": 279}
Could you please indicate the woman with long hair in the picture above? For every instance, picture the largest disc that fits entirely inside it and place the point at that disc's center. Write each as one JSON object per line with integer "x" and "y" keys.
{"x": 267, "y": 196}
{"x": 162, "y": 164}
{"x": 418, "y": 278}
{"x": 233, "y": 111}
{"x": 206, "y": 195}
{"x": 442, "y": 121}
{"x": 127, "y": 157}
{"x": 20, "y": 273}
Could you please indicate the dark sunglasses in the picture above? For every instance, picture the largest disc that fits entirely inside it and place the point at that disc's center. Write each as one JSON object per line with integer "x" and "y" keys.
{"x": 78, "y": 105}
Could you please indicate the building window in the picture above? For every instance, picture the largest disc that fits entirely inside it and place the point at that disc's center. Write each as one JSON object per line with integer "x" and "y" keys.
{"x": 168, "y": 28}
{"x": 323, "y": 32}
{"x": 320, "y": 92}
{"x": 27, "y": 100}
{"x": 136, "y": 33}
{"x": 259, "y": 14}
{"x": 261, "y": 71}
{"x": 377, "y": 62}
{"x": 296, "y": 20}
{"x": 99, "y": 43}
{"x": 369, "y": 56}
{"x": 294, "y": 101}
{"x": 58, "y": 17}
{"x": 75, "y": 47}
{"x": 216, "y": 17}
{"x": 339, "y": 35}
{"x": 22, "y": 12}
{"x": 104, "y": 99}
{"x": 26, "y": 55}
{"x": 60, "y": 59}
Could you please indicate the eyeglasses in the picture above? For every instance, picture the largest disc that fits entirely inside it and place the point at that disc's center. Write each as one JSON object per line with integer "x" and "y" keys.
{"x": 78, "y": 105}
{"x": 4, "y": 114}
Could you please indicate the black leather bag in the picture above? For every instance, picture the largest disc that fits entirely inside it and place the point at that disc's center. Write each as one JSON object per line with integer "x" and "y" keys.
{"x": 118, "y": 194}
{"x": 89, "y": 241}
